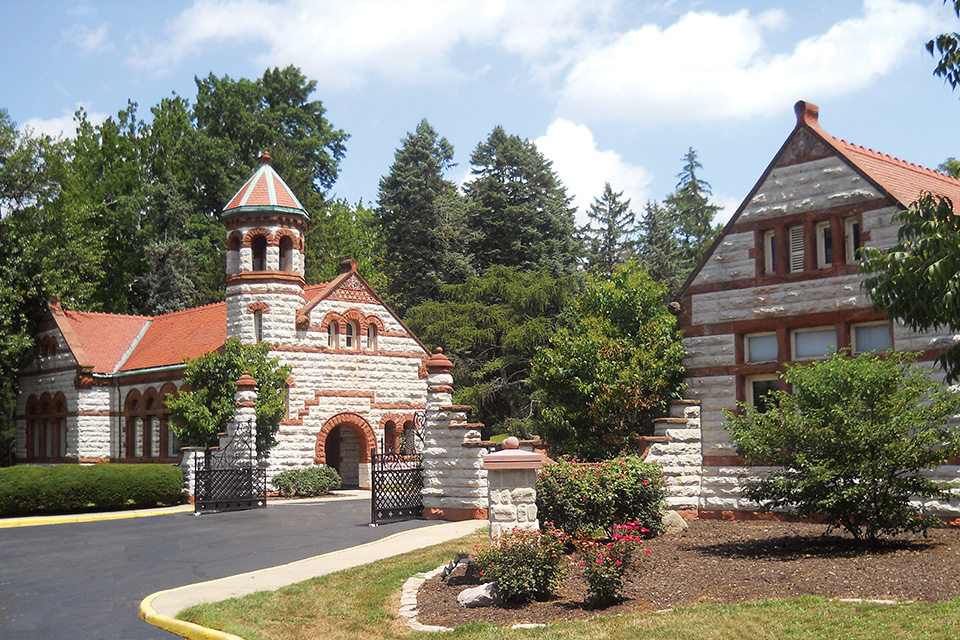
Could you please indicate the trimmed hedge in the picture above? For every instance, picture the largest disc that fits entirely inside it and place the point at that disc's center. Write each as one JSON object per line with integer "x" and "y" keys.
{"x": 587, "y": 499}
{"x": 307, "y": 482}
{"x": 70, "y": 488}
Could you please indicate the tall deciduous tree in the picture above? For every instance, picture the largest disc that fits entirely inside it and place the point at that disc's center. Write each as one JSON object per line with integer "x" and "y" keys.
{"x": 343, "y": 231}
{"x": 610, "y": 369}
{"x": 422, "y": 220}
{"x": 520, "y": 211}
{"x": 492, "y": 326}
{"x": 610, "y": 235}
{"x": 947, "y": 46}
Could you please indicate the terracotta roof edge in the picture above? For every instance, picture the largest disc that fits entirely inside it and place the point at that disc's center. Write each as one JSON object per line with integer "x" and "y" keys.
{"x": 69, "y": 335}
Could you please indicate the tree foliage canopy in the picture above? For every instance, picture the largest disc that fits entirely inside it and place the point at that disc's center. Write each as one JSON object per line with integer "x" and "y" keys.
{"x": 610, "y": 234}
{"x": 611, "y": 368}
{"x": 202, "y": 412}
{"x": 918, "y": 279}
{"x": 492, "y": 326}
{"x": 851, "y": 442}
{"x": 947, "y": 47}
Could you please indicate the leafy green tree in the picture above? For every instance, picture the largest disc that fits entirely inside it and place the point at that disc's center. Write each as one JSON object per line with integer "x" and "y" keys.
{"x": 520, "y": 211}
{"x": 918, "y": 279}
{"x": 947, "y": 46}
{"x": 343, "y": 231}
{"x": 693, "y": 211}
{"x": 492, "y": 326}
{"x": 851, "y": 442}
{"x": 610, "y": 237}
{"x": 203, "y": 412}
{"x": 422, "y": 220}
{"x": 611, "y": 368}
{"x": 658, "y": 247}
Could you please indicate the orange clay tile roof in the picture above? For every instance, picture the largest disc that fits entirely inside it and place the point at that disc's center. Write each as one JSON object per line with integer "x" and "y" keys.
{"x": 105, "y": 337}
{"x": 184, "y": 334}
{"x": 264, "y": 189}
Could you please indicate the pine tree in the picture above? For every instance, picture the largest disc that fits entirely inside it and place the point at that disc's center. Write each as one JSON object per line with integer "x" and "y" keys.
{"x": 519, "y": 209}
{"x": 658, "y": 248}
{"x": 610, "y": 239}
{"x": 693, "y": 210}
{"x": 419, "y": 214}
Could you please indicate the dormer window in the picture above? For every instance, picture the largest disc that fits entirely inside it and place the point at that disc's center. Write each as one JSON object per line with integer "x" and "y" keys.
{"x": 259, "y": 250}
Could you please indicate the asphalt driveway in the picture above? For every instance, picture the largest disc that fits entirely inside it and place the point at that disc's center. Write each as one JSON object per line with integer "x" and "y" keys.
{"x": 85, "y": 581}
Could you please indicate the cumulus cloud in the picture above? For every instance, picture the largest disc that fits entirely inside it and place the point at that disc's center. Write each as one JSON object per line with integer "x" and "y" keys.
{"x": 708, "y": 66}
{"x": 584, "y": 168}
{"x": 64, "y": 125}
{"x": 340, "y": 43}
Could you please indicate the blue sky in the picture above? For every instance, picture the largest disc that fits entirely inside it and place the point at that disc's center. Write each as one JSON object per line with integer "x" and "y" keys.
{"x": 610, "y": 90}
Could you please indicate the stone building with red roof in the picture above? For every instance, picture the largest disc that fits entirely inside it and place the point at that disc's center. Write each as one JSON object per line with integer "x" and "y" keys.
{"x": 781, "y": 285}
{"x": 358, "y": 379}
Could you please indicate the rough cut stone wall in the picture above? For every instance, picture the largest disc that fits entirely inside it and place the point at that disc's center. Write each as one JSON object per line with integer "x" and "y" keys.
{"x": 454, "y": 480}
{"x": 513, "y": 500}
{"x": 681, "y": 457}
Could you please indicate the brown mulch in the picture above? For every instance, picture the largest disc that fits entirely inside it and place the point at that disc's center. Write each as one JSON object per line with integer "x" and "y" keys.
{"x": 718, "y": 561}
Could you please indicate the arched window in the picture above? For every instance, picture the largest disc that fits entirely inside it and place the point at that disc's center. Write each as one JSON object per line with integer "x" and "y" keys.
{"x": 352, "y": 339}
{"x": 286, "y": 253}
{"x": 259, "y": 249}
{"x": 46, "y": 427}
{"x": 371, "y": 337}
{"x": 233, "y": 253}
{"x": 390, "y": 440}
{"x": 333, "y": 337}
{"x": 146, "y": 436}
{"x": 258, "y": 325}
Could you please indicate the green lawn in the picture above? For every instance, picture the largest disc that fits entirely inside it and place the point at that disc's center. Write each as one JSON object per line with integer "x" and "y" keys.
{"x": 362, "y": 603}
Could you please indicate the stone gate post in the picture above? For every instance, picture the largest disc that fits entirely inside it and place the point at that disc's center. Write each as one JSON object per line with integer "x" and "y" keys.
{"x": 512, "y": 483}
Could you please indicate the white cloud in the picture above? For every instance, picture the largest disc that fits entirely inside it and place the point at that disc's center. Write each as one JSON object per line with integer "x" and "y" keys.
{"x": 708, "y": 66}
{"x": 340, "y": 43}
{"x": 584, "y": 168}
{"x": 65, "y": 125}
{"x": 90, "y": 40}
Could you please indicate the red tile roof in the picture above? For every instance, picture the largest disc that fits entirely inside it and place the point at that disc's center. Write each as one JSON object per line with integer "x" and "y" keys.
{"x": 184, "y": 334}
{"x": 902, "y": 180}
{"x": 264, "y": 189}
{"x": 103, "y": 337}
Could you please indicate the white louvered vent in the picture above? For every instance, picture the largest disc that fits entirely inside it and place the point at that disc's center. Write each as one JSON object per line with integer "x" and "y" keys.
{"x": 796, "y": 249}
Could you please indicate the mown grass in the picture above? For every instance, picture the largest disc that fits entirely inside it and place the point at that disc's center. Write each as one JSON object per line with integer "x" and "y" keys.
{"x": 362, "y": 603}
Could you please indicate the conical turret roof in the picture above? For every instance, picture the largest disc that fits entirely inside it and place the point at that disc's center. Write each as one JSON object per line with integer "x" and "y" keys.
{"x": 265, "y": 190}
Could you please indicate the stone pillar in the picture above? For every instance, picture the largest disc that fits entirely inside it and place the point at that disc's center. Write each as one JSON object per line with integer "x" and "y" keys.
{"x": 454, "y": 480}
{"x": 512, "y": 488}
{"x": 238, "y": 446}
{"x": 678, "y": 448}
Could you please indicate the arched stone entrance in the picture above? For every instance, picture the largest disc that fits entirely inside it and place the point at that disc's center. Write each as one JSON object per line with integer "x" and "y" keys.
{"x": 344, "y": 443}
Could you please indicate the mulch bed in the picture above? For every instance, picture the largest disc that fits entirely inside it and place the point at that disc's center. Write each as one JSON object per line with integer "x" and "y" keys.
{"x": 718, "y": 561}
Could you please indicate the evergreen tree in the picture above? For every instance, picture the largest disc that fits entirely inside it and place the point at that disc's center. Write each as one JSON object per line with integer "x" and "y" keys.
{"x": 610, "y": 239}
{"x": 519, "y": 210}
{"x": 658, "y": 247}
{"x": 693, "y": 210}
{"x": 422, "y": 226}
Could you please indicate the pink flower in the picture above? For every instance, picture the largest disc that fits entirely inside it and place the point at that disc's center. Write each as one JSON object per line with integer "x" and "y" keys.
{"x": 599, "y": 561}
{"x": 647, "y": 551}
{"x": 618, "y": 563}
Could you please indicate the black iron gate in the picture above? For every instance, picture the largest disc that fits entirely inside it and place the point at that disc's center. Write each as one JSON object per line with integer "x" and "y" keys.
{"x": 229, "y": 483}
{"x": 397, "y": 483}
{"x": 396, "y": 479}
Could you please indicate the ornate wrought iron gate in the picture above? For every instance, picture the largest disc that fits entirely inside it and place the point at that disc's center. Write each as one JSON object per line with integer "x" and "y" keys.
{"x": 396, "y": 479}
{"x": 230, "y": 482}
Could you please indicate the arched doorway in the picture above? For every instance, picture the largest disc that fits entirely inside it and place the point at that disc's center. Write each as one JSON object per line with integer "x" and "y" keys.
{"x": 344, "y": 443}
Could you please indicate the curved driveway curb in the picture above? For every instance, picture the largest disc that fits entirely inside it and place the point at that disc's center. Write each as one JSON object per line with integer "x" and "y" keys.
{"x": 160, "y": 608}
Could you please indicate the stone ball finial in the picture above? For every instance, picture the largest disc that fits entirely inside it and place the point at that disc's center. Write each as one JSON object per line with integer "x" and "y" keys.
{"x": 511, "y": 443}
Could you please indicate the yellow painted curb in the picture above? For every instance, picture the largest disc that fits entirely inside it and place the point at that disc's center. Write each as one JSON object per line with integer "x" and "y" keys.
{"x": 36, "y": 521}
{"x": 193, "y": 631}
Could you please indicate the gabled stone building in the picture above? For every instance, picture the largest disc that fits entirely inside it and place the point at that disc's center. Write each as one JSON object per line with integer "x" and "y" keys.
{"x": 781, "y": 285}
{"x": 358, "y": 380}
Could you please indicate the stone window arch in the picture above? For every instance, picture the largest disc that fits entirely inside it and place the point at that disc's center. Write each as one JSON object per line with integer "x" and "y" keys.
{"x": 351, "y": 336}
{"x": 374, "y": 329}
{"x": 258, "y": 251}
{"x": 356, "y": 423}
{"x": 146, "y": 433}
{"x": 286, "y": 245}
{"x": 331, "y": 324}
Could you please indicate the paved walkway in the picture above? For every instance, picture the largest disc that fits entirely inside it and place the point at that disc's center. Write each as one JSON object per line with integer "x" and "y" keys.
{"x": 160, "y": 608}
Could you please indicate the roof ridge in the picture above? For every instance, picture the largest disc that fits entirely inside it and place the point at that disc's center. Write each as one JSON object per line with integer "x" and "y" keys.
{"x": 189, "y": 310}
{"x": 890, "y": 158}
{"x": 108, "y": 313}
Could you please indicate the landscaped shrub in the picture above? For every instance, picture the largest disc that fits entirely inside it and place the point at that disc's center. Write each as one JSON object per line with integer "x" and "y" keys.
{"x": 29, "y": 490}
{"x": 587, "y": 499}
{"x": 307, "y": 482}
{"x": 526, "y": 565}
{"x": 606, "y": 564}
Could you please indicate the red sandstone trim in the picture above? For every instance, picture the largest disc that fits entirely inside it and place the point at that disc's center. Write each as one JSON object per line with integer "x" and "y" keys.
{"x": 455, "y": 515}
{"x": 825, "y": 318}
